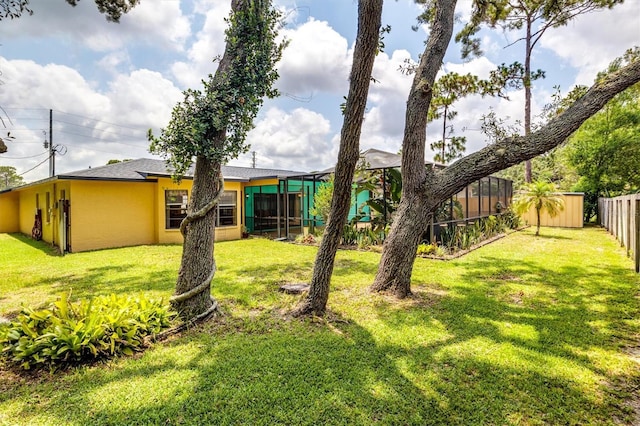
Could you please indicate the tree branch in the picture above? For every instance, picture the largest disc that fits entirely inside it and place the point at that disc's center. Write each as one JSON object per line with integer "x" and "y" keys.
{"x": 513, "y": 150}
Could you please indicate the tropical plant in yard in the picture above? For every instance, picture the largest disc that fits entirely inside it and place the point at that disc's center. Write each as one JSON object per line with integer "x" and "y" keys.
{"x": 322, "y": 200}
{"x": 540, "y": 195}
{"x": 69, "y": 332}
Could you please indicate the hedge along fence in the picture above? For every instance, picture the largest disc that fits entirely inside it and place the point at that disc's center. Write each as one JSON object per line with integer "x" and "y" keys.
{"x": 621, "y": 217}
{"x": 570, "y": 217}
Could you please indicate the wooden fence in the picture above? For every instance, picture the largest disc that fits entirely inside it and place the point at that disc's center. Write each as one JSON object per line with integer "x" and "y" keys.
{"x": 621, "y": 217}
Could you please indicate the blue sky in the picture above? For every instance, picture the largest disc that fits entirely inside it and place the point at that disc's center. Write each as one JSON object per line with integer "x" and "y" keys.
{"x": 108, "y": 83}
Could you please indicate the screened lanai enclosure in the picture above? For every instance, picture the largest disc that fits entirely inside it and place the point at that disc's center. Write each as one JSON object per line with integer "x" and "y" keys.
{"x": 283, "y": 210}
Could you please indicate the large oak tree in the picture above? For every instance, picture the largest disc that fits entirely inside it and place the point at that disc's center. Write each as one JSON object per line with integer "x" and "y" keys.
{"x": 425, "y": 188}
{"x": 211, "y": 126}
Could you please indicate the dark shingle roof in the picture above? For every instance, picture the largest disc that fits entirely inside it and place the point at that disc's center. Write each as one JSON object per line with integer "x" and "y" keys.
{"x": 140, "y": 168}
{"x": 377, "y": 159}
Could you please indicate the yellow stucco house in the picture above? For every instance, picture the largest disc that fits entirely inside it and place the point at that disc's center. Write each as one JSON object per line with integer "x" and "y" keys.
{"x": 123, "y": 204}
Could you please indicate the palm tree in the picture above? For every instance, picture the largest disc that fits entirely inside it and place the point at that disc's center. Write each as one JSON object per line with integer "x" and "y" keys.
{"x": 542, "y": 196}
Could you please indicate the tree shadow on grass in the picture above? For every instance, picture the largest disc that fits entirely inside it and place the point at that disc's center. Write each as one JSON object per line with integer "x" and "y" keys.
{"x": 262, "y": 370}
{"x": 42, "y": 246}
{"x": 293, "y": 373}
{"x": 525, "y": 338}
{"x": 91, "y": 282}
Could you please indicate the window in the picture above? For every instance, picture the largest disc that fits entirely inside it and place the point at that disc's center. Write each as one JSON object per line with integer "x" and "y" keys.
{"x": 227, "y": 208}
{"x": 48, "y": 198}
{"x": 175, "y": 201}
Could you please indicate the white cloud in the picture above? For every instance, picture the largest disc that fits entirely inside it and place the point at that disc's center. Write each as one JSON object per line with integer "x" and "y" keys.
{"x": 317, "y": 59}
{"x": 383, "y": 126}
{"x": 296, "y": 140}
{"x": 158, "y": 23}
{"x": 209, "y": 44}
{"x": 591, "y": 41}
{"x": 114, "y": 61}
{"x": 481, "y": 67}
{"x": 93, "y": 125}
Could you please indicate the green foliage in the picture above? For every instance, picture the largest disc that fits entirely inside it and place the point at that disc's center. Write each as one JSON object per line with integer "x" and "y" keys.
{"x": 322, "y": 199}
{"x": 456, "y": 237}
{"x": 385, "y": 192}
{"x": 553, "y": 166}
{"x": 430, "y": 250}
{"x": 605, "y": 150}
{"x": 514, "y": 16}
{"x": 541, "y": 196}
{"x": 68, "y": 332}
{"x": 364, "y": 235}
{"x": 447, "y": 90}
{"x": 213, "y": 124}
{"x": 113, "y": 9}
{"x": 9, "y": 178}
{"x": 514, "y": 76}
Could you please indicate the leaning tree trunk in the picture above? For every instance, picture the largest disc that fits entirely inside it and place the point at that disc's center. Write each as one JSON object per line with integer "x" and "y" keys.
{"x": 369, "y": 17}
{"x": 192, "y": 297}
{"x": 439, "y": 186}
{"x": 527, "y": 97}
{"x": 410, "y": 222}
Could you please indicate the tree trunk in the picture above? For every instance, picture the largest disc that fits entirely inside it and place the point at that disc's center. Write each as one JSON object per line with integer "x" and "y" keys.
{"x": 198, "y": 265}
{"x": 426, "y": 189}
{"x": 369, "y": 18}
{"x": 527, "y": 96}
{"x": 411, "y": 220}
{"x": 537, "y": 221}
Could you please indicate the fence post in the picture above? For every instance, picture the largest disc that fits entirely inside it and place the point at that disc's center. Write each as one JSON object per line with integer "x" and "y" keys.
{"x": 636, "y": 253}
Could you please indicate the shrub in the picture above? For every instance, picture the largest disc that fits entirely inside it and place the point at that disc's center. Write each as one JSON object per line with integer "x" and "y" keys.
{"x": 363, "y": 236}
{"x": 306, "y": 239}
{"x": 429, "y": 250}
{"x": 68, "y": 332}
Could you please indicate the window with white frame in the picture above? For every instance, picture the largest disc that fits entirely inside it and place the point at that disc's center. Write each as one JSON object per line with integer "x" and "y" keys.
{"x": 227, "y": 207}
{"x": 175, "y": 201}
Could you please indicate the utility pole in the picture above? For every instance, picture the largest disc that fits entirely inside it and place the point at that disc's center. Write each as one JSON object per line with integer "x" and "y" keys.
{"x": 52, "y": 151}
{"x": 253, "y": 163}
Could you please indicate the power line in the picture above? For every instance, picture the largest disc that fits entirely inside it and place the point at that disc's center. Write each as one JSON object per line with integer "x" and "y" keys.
{"x": 96, "y": 138}
{"x": 96, "y": 120}
{"x": 34, "y": 167}
{"x": 139, "y": 129}
{"x": 24, "y": 158}
{"x": 93, "y": 128}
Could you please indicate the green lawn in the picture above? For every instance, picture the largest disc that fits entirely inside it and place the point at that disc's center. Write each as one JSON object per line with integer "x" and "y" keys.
{"x": 523, "y": 331}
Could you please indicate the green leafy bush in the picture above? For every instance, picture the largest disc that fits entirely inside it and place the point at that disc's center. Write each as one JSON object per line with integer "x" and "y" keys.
{"x": 429, "y": 250}
{"x": 363, "y": 236}
{"x": 69, "y": 332}
{"x": 457, "y": 237}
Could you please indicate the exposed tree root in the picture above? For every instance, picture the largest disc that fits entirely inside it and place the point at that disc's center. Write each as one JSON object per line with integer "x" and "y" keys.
{"x": 204, "y": 210}
{"x": 163, "y": 335}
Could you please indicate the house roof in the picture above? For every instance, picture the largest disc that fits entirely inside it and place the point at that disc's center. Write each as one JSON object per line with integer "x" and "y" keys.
{"x": 377, "y": 159}
{"x": 141, "y": 168}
